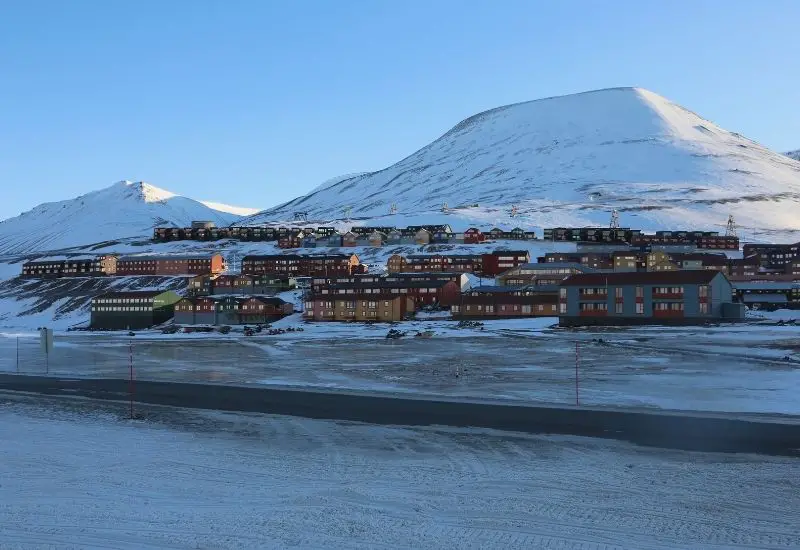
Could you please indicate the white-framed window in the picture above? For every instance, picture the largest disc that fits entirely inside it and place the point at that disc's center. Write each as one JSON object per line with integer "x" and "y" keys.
{"x": 639, "y": 307}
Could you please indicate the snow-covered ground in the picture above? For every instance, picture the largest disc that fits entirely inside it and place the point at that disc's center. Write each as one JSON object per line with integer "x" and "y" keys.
{"x": 72, "y": 476}
{"x": 740, "y": 368}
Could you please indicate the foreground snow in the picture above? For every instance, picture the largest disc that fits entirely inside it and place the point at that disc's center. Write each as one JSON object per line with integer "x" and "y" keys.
{"x": 74, "y": 477}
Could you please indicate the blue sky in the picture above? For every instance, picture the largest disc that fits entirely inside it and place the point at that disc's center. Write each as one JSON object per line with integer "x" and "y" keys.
{"x": 254, "y": 102}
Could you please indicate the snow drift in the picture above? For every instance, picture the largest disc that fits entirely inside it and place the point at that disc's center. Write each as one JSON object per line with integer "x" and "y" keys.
{"x": 572, "y": 159}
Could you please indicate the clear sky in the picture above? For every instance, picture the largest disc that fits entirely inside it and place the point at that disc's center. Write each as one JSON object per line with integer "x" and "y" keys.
{"x": 255, "y": 102}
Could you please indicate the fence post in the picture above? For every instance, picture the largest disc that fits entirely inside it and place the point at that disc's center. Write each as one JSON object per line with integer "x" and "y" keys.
{"x": 577, "y": 358}
{"x": 17, "y": 354}
{"x": 130, "y": 362}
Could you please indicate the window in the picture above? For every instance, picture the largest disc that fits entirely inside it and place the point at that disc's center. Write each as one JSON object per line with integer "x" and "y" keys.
{"x": 639, "y": 294}
{"x": 526, "y": 309}
{"x": 489, "y": 309}
{"x": 563, "y": 293}
{"x": 620, "y": 308}
{"x": 639, "y": 306}
{"x": 703, "y": 308}
{"x": 703, "y": 291}
{"x": 618, "y": 292}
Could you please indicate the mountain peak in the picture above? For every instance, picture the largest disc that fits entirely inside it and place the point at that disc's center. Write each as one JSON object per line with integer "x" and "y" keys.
{"x": 572, "y": 159}
{"x": 143, "y": 191}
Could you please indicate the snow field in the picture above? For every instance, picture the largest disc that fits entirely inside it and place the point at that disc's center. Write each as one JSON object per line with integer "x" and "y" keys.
{"x": 71, "y": 476}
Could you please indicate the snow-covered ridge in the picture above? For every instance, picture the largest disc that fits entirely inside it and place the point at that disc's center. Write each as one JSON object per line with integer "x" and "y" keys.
{"x": 123, "y": 210}
{"x": 227, "y": 208}
{"x": 572, "y": 159}
{"x": 794, "y": 154}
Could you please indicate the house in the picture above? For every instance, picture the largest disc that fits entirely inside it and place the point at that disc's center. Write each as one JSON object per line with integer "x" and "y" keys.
{"x": 300, "y": 265}
{"x": 495, "y": 233}
{"x": 461, "y": 279}
{"x": 358, "y": 308}
{"x": 325, "y": 231}
{"x": 174, "y": 265}
{"x": 462, "y": 263}
{"x": 541, "y": 274}
{"x": 132, "y": 310}
{"x": 473, "y": 235}
{"x": 668, "y": 297}
{"x": 595, "y": 260}
{"x": 658, "y": 260}
{"x": 334, "y": 240}
{"x": 422, "y": 237}
{"x": 625, "y": 261}
{"x": 492, "y": 302}
{"x": 442, "y": 237}
{"x": 350, "y": 239}
{"x": 230, "y": 310}
{"x": 743, "y": 269}
{"x": 396, "y": 264}
{"x": 773, "y": 256}
{"x": 768, "y": 295}
{"x": 272, "y": 284}
{"x": 376, "y": 238}
{"x": 494, "y": 263}
{"x": 309, "y": 240}
{"x": 700, "y": 260}
{"x": 293, "y": 239}
{"x": 201, "y": 285}
{"x": 517, "y": 234}
{"x": 395, "y": 236}
{"x": 71, "y": 266}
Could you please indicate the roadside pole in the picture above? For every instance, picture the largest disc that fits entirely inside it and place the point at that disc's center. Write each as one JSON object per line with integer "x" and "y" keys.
{"x": 130, "y": 364}
{"x": 17, "y": 354}
{"x": 577, "y": 359}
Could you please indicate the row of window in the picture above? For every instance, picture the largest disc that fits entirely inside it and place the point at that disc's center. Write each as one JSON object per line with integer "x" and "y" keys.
{"x": 121, "y": 308}
{"x": 123, "y": 300}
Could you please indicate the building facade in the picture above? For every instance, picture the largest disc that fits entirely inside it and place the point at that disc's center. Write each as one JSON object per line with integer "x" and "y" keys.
{"x": 496, "y": 302}
{"x": 297, "y": 265}
{"x": 230, "y": 310}
{"x": 72, "y": 266}
{"x": 669, "y": 297}
{"x": 132, "y": 310}
{"x": 355, "y": 307}
{"x": 170, "y": 265}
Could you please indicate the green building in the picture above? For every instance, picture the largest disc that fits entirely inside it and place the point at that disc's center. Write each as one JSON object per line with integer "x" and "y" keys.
{"x": 133, "y": 310}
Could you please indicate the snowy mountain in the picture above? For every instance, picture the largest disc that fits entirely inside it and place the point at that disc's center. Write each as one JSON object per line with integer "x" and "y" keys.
{"x": 228, "y": 209}
{"x": 794, "y": 154}
{"x": 571, "y": 160}
{"x": 123, "y": 210}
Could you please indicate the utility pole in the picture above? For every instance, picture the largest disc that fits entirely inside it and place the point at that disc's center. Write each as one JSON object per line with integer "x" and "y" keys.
{"x": 130, "y": 363}
{"x": 614, "y": 220}
{"x": 577, "y": 360}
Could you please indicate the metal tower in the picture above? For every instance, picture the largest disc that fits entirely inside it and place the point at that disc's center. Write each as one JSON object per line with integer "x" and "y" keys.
{"x": 301, "y": 216}
{"x": 730, "y": 228}
{"x": 614, "y": 220}
{"x": 347, "y": 210}
{"x": 514, "y": 210}
{"x": 393, "y": 208}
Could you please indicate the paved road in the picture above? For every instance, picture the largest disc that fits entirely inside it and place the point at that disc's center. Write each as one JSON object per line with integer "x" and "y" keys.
{"x": 678, "y": 430}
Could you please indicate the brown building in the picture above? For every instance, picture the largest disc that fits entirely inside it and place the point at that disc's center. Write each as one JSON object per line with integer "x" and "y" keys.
{"x": 358, "y": 307}
{"x": 496, "y": 262}
{"x": 490, "y": 302}
{"x": 594, "y": 260}
{"x": 71, "y": 266}
{"x": 428, "y": 263}
{"x": 773, "y": 256}
{"x": 170, "y": 265}
{"x": 299, "y": 265}
{"x": 541, "y": 274}
{"x": 443, "y": 293}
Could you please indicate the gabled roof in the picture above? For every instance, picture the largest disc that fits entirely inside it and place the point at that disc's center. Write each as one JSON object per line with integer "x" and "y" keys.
{"x": 297, "y": 257}
{"x": 695, "y": 276}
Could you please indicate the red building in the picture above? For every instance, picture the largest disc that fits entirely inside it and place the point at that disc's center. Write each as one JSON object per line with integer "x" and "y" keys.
{"x": 473, "y": 235}
{"x": 498, "y": 261}
{"x": 170, "y": 265}
{"x": 299, "y": 265}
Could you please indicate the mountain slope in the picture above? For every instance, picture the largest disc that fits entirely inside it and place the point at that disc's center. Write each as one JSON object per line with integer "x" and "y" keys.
{"x": 125, "y": 209}
{"x": 572, "y": 159}
{"x": 794, "y": 154}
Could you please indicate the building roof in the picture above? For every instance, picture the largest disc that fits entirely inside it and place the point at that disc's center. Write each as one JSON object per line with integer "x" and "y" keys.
{"x": 77, "y": 258}
{"x": 297, "y": 257}
{"x": 557, "y": 265}
{"x": 155, "y": 257}
{"x": 506, "y": 252}
{"x": 767, "y": 285}
{"x": 132, "y": 294}
{"x": 389, "y": 284}
{"x": 451, "y": 256}
{"x": 237, "y": 297}
{"x": 695, "y": 276}
{"x": 421, "y": 274}
{"x": 770, "y": 298}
